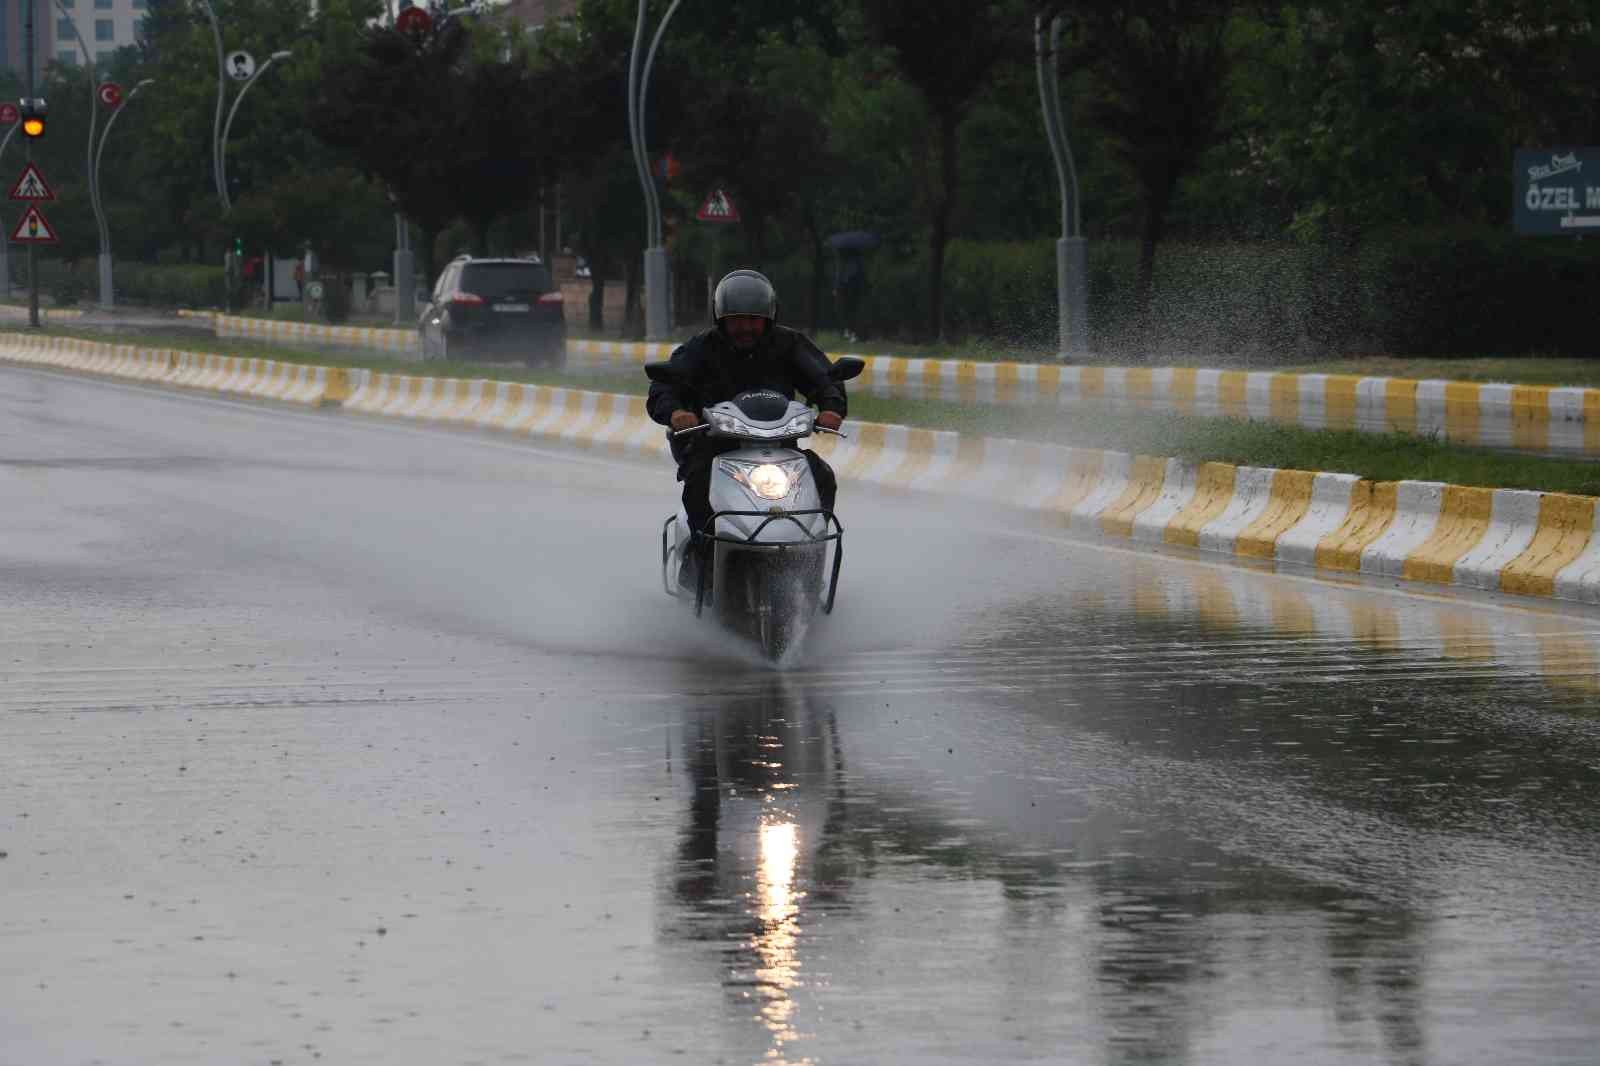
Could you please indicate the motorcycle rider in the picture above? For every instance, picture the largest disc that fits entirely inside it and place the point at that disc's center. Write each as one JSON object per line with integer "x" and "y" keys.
{"x": 746, "y": 349}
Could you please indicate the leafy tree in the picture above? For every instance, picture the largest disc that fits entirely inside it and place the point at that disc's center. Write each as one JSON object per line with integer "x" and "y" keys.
{"x": 947, "y": 50}
{"x": 1160, "y": 69}
{"x": 394, "y": 110}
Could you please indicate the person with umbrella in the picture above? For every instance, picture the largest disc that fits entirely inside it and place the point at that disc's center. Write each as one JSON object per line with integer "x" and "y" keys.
{"x": 850, "y": 277}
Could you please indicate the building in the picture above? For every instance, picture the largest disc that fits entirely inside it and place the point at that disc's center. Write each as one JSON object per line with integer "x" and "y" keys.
{"x": 105, "y": 26}
{"x": 534, "y": 14}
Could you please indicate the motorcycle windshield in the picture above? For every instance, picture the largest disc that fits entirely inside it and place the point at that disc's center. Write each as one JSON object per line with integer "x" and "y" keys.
{"x": 765, "y": 405}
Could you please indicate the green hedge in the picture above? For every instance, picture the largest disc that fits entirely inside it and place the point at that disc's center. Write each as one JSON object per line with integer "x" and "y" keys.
{"x": 171, "y": 286}
{"x": 1485, "y": 292}
{"x": 138, "y": 283}
{"x": 1440, "y": 291}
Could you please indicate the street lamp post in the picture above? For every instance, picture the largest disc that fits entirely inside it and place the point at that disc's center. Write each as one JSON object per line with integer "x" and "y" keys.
{"x": 657, "y": 318}
{"x": 1072, "y": 250}
{"x": 107, "y": 289}
{"x": 405, "y": 262}
{"x": 94, "y": 185}
{"x": 222, "y": 150}
{"x": 222, "y": 89}
{"x": 5, "y": 240}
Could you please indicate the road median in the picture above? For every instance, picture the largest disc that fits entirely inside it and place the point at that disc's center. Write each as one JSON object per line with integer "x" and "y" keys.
{"x": 1510, "y": 540}
{"x": 1540, "y": 419}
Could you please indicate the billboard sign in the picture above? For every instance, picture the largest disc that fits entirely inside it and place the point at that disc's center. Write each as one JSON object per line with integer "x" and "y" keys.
{"x": 1556, "y": 191}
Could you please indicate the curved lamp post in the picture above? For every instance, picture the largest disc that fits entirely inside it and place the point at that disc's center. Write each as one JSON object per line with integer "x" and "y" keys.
{"x": 404, "y": 261}
{"x": 107, "y": 286}
{"x": 216, "y": 122}
{"x": 1072, "y": 257}
{"x": 656, "y": 271}
{"x": 94, "y": 185}
{"x": 5, "y": 241}
{"x": 222, "y": 150}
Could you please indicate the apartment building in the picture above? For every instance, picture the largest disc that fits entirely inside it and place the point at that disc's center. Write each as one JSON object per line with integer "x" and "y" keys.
{"x": 105, "y": 26}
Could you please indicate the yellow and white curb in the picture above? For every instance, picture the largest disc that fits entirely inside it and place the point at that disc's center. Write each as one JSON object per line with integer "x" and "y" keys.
{"x": 398, "y": 341}
{"x": 264, "y": 379}
{"x": 603, "y": 421}
{"x": 1513, "y": 541}
{"x": 1524, "y": 417}
{"x": 46, "y": 314}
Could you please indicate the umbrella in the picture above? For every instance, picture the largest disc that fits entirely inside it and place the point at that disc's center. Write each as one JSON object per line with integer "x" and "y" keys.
{"x": 856, "y": 240}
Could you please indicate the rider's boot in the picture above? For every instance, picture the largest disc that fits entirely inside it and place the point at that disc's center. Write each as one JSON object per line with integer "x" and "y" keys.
{"x": 696, "y": 555}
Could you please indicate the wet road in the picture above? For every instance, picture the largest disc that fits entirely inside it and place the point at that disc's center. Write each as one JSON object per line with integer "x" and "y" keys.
{"x": 329, "y": 740}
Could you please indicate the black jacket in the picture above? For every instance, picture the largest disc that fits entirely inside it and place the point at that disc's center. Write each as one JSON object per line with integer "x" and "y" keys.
{"x": 709, "y": 370}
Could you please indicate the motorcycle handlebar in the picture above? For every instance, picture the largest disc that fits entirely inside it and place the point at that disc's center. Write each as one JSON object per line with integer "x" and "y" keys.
{"x": 707, "y": 425}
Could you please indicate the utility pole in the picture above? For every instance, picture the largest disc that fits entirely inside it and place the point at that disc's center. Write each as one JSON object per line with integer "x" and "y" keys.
{"x": 33, "y": 273}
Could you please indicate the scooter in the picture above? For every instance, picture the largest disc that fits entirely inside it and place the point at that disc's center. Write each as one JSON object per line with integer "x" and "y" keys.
{"x": 775, "y": 551}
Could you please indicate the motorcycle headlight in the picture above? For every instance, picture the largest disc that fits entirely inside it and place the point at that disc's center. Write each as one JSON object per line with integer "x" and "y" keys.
{"x": 770, "y": 481}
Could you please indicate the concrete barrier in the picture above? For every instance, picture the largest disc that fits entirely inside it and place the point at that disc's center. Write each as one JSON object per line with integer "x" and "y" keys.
{"x": 263, "y": 379}
{"x": 1534, "y": 418}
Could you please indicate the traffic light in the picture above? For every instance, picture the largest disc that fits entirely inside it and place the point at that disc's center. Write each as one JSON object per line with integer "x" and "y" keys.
{"x": 33, "y": 118}
{"x": 238, "y": 246}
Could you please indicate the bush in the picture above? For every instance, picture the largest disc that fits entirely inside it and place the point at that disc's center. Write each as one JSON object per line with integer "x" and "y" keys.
{"x": 1479, "y": 291}
{"x": 67, "y": 290}
{"x": 1441, "y": 291}
{"x": 190, "y": 285}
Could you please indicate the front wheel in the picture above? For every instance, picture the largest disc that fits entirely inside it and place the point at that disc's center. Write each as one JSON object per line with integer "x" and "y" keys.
{"x": 780, "y": 617}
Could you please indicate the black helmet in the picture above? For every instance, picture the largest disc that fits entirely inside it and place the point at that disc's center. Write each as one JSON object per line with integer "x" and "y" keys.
{"x": 744, "y": 292}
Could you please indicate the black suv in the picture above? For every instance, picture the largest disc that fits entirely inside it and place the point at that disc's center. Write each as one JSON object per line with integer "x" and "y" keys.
{"x": 495, "y": 308}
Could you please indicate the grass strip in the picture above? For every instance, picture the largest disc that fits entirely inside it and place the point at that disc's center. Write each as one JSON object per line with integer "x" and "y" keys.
{"x": 1381, "y": 457}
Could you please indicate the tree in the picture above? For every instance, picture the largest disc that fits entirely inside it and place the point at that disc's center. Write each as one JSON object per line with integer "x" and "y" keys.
{"x": 394, "y": 111}
{"x": 1160, "y": 70}
{"x": 947, "y": 50}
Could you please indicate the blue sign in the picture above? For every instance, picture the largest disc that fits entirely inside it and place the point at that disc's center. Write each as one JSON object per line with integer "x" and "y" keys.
{"x": 1556, "y": 191}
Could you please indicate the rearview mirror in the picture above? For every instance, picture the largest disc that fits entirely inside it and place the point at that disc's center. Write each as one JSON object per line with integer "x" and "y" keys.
{"x": 661, "y": 373}
{"x": 846, "y": 367}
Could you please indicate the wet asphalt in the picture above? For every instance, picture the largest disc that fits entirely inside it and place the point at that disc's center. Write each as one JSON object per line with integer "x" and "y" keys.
{"x": 332, "y": 740}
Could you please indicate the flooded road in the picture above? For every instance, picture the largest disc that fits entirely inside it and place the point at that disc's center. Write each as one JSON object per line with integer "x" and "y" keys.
{"x": 329, "y": 740}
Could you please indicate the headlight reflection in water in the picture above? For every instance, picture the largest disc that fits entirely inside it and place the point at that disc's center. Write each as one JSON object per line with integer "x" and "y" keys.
{"x": 778, "y": 911}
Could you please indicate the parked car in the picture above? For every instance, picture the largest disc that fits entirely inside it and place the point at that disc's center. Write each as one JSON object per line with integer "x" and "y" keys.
{"x": 493, "y": 309}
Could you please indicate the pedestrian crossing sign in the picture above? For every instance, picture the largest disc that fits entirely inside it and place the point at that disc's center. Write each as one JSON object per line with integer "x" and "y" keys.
{"x": 31, "y": 186}
{"x": 34, "y": 229}
{"x": 717, "y": 208}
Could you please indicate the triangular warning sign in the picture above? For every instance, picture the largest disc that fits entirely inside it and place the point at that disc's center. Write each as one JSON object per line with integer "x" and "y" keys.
{"x": 717, "y": 208}
{"x": 31, "y": 186}
{"x": 33, "y": 229}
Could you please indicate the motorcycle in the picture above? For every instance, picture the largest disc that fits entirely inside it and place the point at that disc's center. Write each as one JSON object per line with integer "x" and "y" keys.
{"x": 772, "y": 571}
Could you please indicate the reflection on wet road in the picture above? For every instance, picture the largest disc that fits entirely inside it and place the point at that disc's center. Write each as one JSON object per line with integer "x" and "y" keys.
{"x": 353, "y": 745}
